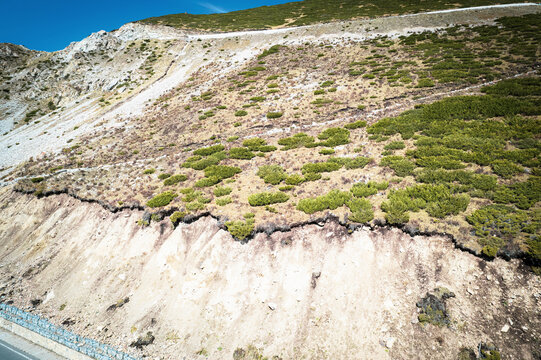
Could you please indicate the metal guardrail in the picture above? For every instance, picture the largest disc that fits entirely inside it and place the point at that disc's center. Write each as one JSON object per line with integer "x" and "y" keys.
{"x": 89, "y": 347}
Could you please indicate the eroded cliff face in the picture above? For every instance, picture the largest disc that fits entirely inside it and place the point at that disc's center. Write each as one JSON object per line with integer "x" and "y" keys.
{"x": 316, "y": 292}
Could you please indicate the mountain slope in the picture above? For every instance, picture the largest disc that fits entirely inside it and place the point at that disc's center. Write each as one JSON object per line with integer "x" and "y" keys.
{"x": 308, "y": 12}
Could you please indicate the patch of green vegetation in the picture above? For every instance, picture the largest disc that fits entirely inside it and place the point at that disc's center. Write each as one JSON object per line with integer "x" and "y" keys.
{"x": 438, "y": 200}
{"x": 395, "y": 145}
{"x": 356, "y": 125}
{"x": 177, "y": 217}
{"x": 222, "y": 191}
{"x": 37, "y": 180}
{"x": 274, "y": 115}
{"x": 258, "y": 144}
{"x": 361, "y": 210}
{"x": 331, "y": 201}
{"x": 209, "y": 150}
{"x": 272, "y": 174}
{"x": 175, "y": 179}
{"x": 400, "y": 165}
{"x": 320, "y": 167}
{"x": 164, "y": 176}
{"x": 162, "y": 199}
{"x": 334, "y": 137}
{"x": 326, "y": 151}
{"x": 224, "y": 201}
{"x": 296, "y": 141}
{"x": 241, "y": 113}
{"x": 241, "y": 153}
{"x": 498, "y": 225}
{"x": 267, "y": 198}
{"x": 149, "y": 171}
{"x": 370, "y": 188}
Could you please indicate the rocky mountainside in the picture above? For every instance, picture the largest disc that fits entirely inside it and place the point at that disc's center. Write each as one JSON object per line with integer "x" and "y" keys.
{"x": 324, "y": 180}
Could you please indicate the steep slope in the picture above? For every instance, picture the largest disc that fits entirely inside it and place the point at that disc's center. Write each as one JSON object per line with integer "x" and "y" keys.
{"x": 313, "y": 292}
{"x": 303, "y": 192}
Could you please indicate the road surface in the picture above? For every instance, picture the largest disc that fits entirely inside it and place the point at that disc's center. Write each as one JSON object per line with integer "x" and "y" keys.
{"x": 13, "y": 347}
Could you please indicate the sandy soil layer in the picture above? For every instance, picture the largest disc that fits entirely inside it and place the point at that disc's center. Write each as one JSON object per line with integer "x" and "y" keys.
{"x": 316, "y": 292}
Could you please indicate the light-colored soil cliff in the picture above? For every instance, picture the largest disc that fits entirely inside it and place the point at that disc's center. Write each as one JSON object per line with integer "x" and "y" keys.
{"x": 316, "y": 292}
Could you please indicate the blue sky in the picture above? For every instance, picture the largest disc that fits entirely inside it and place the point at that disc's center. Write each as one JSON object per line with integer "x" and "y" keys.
{"x": 52, "y": 25}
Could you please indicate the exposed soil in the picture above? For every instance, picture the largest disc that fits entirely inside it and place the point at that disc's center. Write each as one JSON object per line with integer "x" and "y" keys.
{"x": 314, "y": 292}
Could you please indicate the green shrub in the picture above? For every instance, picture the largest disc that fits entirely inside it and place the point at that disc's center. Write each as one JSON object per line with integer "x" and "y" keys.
{"x": 356, "y": 125}
{"x": 224, "y": 201}
{"x": 175, "y": 179}
{"x": 258, "y": 144}
{"x": 326, "y": 151}
{"x": 425, "y": 82}
{"x": 164, "y": 176}
{"x": 267, "y": 198}
{"x": 506, "y": 168}
{"x": 149, "y": 171}
{"x": 296, "y": 141}
{"x": 334, "y": 137}
{"x": 437, "y": 162}
{"x": 439, "y": 201}
{"x": 272, "y": 50}
{"x": 241, "y": 113}
{"x": 332, "y": 200}
{"x": 241, "y": 153}
{"x": 257, "y": 99}
{"x": 177, "y": 217}
{"x": 328, "y": 166}
{"x": 37, "y": 180}
{"x": 358, "y": 162}
{"x": 530, "y": 86}
{"x": 222, "y": 171}
{"x": 222, "y": 191}
{"x": 272, "y": 174}
{"x": 361, "y": 210}
{"x": 240, "y": 230}
{"x": 162, "y": 199}
{"x": 327, "y": 83}
{"x": 400, "y": 165}
{"x": 195, "y": 206}
{"x": 295, "y": 179}
{"x": 312, "y": 176}
{"x": 449, "y": 206}
{"x": 370, "y": 188}
{"x": 203, "y": 163}
{"x": 500, "y": 222}
{"x": 207, "y": 181}
{"x": 395, "y": 145}
{"x": 274, "y": 115}
{"x": 209, "y": 150}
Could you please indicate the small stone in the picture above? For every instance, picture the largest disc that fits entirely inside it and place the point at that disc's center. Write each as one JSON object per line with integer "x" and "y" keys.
{"x": 389, "y": 342}
{"x": 505, "y": 328}
{"x": 470, "y": 291}
{"x": 272, "y": 306}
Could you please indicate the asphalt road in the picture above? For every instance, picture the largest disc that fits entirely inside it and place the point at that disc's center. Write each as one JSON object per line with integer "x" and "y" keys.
{"x": 10, "y": 352}
{"x": 13, "y": 347}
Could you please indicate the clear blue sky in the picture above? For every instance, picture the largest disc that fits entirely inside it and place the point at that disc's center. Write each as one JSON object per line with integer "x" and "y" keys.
{"x": 52, "y": 24}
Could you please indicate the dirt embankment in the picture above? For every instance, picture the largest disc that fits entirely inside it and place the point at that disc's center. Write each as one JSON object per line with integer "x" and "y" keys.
{"x": 315, "y": 292}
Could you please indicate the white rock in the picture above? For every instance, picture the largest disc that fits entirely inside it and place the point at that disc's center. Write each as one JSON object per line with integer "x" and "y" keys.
{"x": 505, "y": 328}
{"x": 272, "y": 306}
